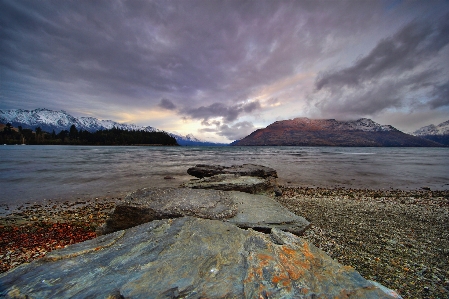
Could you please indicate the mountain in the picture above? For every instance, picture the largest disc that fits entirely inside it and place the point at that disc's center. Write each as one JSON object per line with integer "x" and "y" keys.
{"x": 330, "y": 132}
{"x": 49, "y": 120}
{"x": 439, "y": 133}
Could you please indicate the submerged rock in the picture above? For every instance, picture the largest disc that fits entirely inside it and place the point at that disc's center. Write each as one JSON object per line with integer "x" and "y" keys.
{"x": 190, "y": 258}
{"x": 242, "y": 209}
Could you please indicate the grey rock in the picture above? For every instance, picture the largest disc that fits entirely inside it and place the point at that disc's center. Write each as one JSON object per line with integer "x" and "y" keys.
{"x": 203, "y": 170}
{"x": 242, "y": 209}
{"x": 231, "y": 182}
{"x": 148, "y": 204}
{"x": 263, "y": 213}
{"x": 189, "y": 258}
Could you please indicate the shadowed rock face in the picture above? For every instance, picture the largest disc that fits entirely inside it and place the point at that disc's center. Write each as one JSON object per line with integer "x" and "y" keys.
{"x": 222, "y": 261}
{"x": 203, "y": 170}
{"x": 242, "y": 209}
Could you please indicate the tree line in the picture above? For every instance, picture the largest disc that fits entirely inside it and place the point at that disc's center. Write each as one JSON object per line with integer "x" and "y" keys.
{"x": 73, "y": 136}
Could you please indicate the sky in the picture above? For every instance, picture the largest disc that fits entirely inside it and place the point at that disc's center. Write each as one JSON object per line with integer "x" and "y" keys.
{"x": 221, "y": 69}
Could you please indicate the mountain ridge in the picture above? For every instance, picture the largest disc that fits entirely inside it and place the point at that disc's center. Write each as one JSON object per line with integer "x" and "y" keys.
{"x": 438, "y": 133}
{"x": 330, "y": 132}
{"x": 441, "y": 129}
{"x": 49, "y": 120}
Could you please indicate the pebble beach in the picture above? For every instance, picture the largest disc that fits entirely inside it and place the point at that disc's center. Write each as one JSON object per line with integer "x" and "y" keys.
{"x": 397, "y": 238}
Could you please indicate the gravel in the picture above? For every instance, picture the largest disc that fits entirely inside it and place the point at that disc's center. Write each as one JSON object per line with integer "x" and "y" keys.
{"x": 397, "y": 238}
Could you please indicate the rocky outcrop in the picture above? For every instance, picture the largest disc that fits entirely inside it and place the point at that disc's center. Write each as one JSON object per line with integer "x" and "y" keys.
{"x": 249, "y": 178}
{"x": 330, "y": 132}
{"x": 188, "y": 258}
{"x": 203, "y": 170}
{"x": 242, "y": 209}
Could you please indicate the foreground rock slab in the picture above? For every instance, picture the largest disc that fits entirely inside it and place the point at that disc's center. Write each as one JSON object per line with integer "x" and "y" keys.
{"x": 204, "y": 170}
{"x": 242, "y": 209}
{"x": 189, "y": 258}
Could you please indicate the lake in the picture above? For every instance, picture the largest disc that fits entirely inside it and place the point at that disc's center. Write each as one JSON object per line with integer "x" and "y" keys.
{"x": 34, "y": 173}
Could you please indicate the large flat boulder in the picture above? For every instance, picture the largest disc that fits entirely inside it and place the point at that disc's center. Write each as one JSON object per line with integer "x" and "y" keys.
{"x": 148, "y": 204}
{"x": 204, "y": 170}
{"x": 242, "y": 209}
{"x": 189, "y": 258}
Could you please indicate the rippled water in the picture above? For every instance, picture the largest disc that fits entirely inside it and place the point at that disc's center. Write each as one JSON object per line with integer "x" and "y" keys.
{"x": 34, "y": 173}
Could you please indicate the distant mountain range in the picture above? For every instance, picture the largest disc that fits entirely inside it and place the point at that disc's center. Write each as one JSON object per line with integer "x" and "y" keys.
{"x": 49, "y": 120}
{"x": 438, "y": 133}
{"x": 330, "y": 132}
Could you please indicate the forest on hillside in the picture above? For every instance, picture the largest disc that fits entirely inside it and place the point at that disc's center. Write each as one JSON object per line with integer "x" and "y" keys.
{"x": 114, "y": 136}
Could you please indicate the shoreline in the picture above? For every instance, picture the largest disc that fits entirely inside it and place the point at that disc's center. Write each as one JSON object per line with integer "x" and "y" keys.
{"x": 399, "y": 238}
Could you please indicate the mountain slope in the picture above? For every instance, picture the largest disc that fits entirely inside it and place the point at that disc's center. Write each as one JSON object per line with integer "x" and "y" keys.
{"x": 439, "y": 133}
{"x": 49, "y": 120}
{"x": 330, "y": 132}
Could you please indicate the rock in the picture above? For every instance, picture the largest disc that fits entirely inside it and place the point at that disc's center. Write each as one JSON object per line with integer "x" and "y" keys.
{"x": 203, "y": 170}
{"x": 242, "y": 209}
{"x": 263, "y": 213}
{"x": 249, "y": 178}
{"x": 231, "y": 182}
{"x": 148, "y": 204}
{"x": 190, "y": 258}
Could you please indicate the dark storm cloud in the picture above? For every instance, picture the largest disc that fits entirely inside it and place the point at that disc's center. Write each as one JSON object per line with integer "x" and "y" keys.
{"x": 399, "y": 71}
{"x": 440, "y": 95}
{"x": 167, "y": 104}
{"x": 228, "y": 113}
{"x": 404, "y": 51}
{"x": 195, "y": 52}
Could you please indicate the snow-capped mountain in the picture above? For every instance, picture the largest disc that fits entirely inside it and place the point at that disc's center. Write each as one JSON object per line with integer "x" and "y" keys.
{"x": 330, "y": 132}
{"x": 439, "y": 133}
{"x": 49, "y": 120}
{"x": 367, "y": 125}
{"x": 441, "y": 129}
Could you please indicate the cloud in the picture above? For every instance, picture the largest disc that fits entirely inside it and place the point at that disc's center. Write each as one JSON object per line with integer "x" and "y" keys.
{"x": 167, "y": 104}
{"x": 403, "y": 71}
{"x": 404, "y": 51}
{"x": 236, "y": 131}
{"x": 228, "y": 113}
{"x": 115, "y": 52}
{"x": 440, "y": 95}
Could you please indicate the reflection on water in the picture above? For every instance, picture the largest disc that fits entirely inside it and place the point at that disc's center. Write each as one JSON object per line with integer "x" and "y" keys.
{"x": 32, "y": 173}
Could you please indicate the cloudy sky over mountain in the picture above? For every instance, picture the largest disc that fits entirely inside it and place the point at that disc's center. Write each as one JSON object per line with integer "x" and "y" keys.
{"x": 221, "y": 69}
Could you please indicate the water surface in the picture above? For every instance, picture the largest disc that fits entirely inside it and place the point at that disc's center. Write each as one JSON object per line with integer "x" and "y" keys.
{"x": 34, "y": 173}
